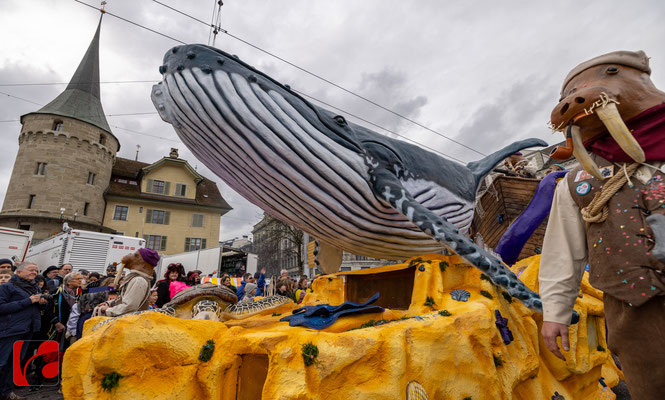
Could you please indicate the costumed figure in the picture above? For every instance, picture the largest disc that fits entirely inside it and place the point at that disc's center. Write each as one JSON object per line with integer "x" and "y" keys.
{"x": 135, "y": 287}
{"x": 607, "y": 213}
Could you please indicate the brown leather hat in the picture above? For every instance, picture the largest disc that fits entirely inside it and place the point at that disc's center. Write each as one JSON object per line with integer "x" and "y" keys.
{"x": 634, "y": 59}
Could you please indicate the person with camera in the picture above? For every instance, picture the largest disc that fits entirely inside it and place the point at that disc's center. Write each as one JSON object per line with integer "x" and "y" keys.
{"x": 19, "y": 319}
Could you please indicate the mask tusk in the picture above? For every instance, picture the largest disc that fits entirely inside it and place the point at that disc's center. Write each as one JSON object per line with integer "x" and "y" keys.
{"x": 609, "y": 115}
{"x": 118, "y": 275}
{"x": 582, "y": 155}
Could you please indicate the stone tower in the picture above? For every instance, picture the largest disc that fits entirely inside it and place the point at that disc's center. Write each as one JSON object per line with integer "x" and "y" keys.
{"x": 66, "y": 153}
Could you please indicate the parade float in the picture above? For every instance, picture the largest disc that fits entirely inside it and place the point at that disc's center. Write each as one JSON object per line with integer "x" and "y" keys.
{"x": 446, "y": 332}
{"x": 456, "y": 326}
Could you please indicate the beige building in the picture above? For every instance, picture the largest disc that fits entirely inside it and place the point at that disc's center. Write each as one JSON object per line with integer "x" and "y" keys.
{"x": 168, "y": 203}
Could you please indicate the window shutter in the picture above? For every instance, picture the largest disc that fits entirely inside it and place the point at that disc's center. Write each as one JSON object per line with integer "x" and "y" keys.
{"x": 148, "y": 216}
{"x": 167, "y": 216}
{"x": 163, "y": 243}
{"x": 186, "y": 244}
{"x": 167, "y": 188}
{"x": 148, "y": 186}
{"x": 183, "y": 191}
{"x": 203, "y": 243}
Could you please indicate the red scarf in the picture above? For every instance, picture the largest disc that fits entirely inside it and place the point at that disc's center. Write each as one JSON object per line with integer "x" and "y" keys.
{"x": 648, "y": 128}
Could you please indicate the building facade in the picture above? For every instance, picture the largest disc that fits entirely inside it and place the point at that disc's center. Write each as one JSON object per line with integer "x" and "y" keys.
{"x": 168, "y": 203}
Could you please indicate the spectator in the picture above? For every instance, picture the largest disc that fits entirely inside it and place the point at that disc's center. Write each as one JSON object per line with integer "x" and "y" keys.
{"x": 81, "y": 312}
{"x": 194, "y": 277}
{"x": 6, "y": 263}
{"x": 152, "y": 299}
{"x": 110, "y": 271}
{"x": 93, "y": 277}
{"x": 554, "y": 168}
{"x": 59, "y": 277}
{"x": 283, "y": 274}
{"x": 19, "y": 317}
{"x": 5, "y": 276}
{"x": 177, "y": 286}
{"x": 61, "y": 304}
{"x": 302, "y": 289}
{"x": 135, "y": 288}
{"x": 174, "y": 272}
{"x": 41, "y": 283}
{"x": 284, "y": 288}
{"x": 250, "y": 292}
{"x": 226, "y": 281}
{"x": 260, "y": 279}
{"x": 247, "y": 278}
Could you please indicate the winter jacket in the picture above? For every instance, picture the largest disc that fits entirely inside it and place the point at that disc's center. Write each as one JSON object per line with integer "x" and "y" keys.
{"x": 18, "y": 314}
{"x": 241, "y": 290}
{"x": 261, "y": 285}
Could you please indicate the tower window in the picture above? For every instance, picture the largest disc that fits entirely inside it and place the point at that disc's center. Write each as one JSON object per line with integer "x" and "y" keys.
{"x": 91, "y": 178}
{"x": 85, "y": 208}
{"x": 41, "y": 169}
{"x": 31, "y": 202}
{"x": 57, "y": 125}
{"x": 102, "y": 139}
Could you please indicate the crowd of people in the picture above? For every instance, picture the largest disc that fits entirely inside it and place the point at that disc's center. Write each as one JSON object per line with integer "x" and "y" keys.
{"x": 55, "y": 304}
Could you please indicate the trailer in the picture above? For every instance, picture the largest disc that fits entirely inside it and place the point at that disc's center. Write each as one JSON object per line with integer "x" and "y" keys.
{"x": 92, "y": 251}
{"x": 221, "y": 259}
{"x": 14, "y": 243}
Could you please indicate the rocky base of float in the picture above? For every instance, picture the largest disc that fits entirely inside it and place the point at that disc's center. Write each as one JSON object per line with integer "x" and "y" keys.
{"x": 425, "y": 345}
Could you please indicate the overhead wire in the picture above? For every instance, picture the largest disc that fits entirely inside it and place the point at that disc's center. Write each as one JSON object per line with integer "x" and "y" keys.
{"x": 293, "y": 65}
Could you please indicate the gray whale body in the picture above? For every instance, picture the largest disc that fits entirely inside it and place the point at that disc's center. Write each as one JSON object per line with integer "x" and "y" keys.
{"x": 351, "y": 188}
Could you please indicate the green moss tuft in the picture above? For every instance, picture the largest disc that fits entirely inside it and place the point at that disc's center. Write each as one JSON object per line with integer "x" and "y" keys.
{"x": 443, "y": 265}
{"x": 110, "y": 381}
{"x": 207, "y": 350}
{"x": 497, "y": 361}
{"x": 484, "y": 277}
{"x": 445, "y": 313}
{"x": 600, "y": 348}
{"x": 275, "y": 314}
{"x": 486, "y": 294}
{"x": 309, "y": 353}
{"x": 429, "y": 302}
{"x": 508, "y": 297}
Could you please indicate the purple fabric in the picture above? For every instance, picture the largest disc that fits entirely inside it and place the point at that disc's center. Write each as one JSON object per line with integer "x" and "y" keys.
{"x": 513, "y": 240}
{"x": 150, "y": 256}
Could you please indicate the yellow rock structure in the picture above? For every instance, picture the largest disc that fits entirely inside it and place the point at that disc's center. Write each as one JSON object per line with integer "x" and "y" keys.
{"x": 446, "y": 349}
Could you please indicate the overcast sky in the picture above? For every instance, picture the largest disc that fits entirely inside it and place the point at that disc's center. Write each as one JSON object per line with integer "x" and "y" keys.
{"x": 482, "y": 72}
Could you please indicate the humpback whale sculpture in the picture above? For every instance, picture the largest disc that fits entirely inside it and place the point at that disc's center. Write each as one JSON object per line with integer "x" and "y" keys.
{"x": 351, "y": 188}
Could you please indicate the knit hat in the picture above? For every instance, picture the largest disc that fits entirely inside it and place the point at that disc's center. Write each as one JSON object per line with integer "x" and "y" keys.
{"x": 150, "y": 256}
{"x": 633, "y": 59}
{"x": 249, "y": 287}
{"x": 6, "y": 261}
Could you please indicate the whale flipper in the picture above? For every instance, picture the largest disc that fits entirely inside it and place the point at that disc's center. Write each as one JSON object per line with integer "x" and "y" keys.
{"x": 388, "y": 187}
{"x": 327, "y": 257}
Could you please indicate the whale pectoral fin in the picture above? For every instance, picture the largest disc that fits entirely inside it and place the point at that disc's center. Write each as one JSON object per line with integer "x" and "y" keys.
{"x": 387, "y": 187}
{"x": 327, "y": 258}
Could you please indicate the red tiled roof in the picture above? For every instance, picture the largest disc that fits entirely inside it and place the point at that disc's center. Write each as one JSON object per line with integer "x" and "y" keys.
{"x": 207, "y": 193}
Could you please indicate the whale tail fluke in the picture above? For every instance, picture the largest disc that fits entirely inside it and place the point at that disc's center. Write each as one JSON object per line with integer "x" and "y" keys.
{"x": 481, "y": 167}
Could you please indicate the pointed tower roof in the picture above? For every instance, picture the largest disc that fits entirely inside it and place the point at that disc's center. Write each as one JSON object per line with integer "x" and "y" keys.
{"x": 81, "y": 99}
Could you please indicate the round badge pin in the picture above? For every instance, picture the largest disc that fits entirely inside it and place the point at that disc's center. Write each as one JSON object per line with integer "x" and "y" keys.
{"x": 583, "y": 188}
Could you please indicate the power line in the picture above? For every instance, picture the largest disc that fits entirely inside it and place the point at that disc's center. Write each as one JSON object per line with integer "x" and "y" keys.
{"x": 326, "y": 80}
{"x": 289, "y": 63}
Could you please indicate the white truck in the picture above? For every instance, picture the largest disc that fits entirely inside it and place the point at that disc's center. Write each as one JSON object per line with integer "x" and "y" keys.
{"x": 14, "y": 243}
{"x": 220, "y": 259}
{"x": 92, "y": 251}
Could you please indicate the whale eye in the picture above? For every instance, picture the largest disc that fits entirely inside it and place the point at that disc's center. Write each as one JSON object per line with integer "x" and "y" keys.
{"x": 340, "y": 120}
{"x": 611, "y": 70}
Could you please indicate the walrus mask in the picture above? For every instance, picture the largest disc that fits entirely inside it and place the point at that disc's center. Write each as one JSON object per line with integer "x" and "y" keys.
{"x": 596, "y": 97}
